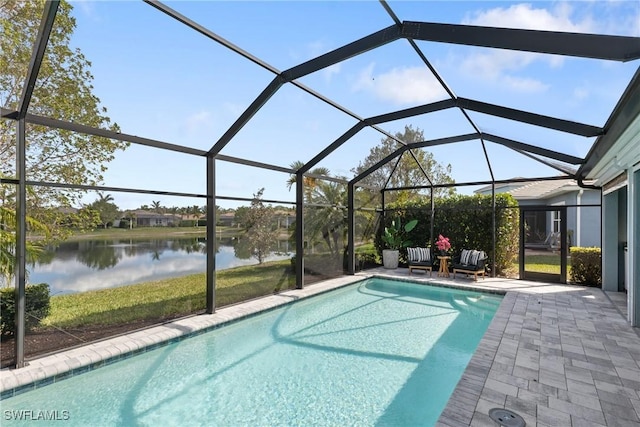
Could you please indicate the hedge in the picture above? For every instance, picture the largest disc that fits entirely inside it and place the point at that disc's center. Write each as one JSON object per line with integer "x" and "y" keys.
{"x": 586, "y": 266}
{"x": 37, "y": 302}
{"x": 466, "y": 221}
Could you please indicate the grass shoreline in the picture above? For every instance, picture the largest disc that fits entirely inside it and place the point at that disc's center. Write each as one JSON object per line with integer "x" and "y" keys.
{"x": 147, "y": 232}
{"x": 162, "y": 299}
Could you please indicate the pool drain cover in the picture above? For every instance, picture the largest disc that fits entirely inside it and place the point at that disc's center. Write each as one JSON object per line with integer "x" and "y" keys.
{"x": 506, "y": 418}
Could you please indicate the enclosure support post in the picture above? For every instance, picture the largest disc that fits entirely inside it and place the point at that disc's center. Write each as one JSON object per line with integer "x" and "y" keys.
{"x": 21, "y": 241}
{"x": 432, "y": 238}
{"x": 521, "y": 245}
{"x": 211, "y": 234}
{"x": 37, "y": 55}
{"x": 563, "y": 245}
{"x": 299, "y": 230}
{"x": 351, "y": 235}
{"x": 493, "y": 227}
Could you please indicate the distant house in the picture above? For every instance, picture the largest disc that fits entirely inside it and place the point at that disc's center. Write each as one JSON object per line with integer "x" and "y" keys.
{"x": 144, "y": 218}
{"x": 227, "y": 219}
{"x": 284, "y": 219}
{"x": 583, "y": 223}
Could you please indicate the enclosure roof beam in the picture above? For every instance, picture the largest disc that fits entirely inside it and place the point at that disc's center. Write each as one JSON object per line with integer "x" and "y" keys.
{"x": 100, "y": 188}
{"x": 247, "y": 114}
{"x": 246, "y": 162}
{"x": 209, "y": 34}
{"x": 447, "y": 140}
{"x": 372, "y": 41}
{"x": 366, "y": 43}
{"x": 413, "y": 145}
{"x": 39, "y": 48}
{"x": 378, "y": 164}
{"x": 411, "y": 112}
{"x": 530, "y": 118}
{"x": 533, "y": 149}
{"x": 596, "y": 46}
{"x": 543, "y": 161}
{"x": 88, "y": 130}
{"x": 332, "y": 147}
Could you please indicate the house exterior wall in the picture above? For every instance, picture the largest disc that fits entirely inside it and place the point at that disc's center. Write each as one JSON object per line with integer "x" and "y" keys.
{"x": 611, "y": 212}
{"x": 589, "y": 219}
{"x": 584, "y": 224}
{"x": 621, "y": 219}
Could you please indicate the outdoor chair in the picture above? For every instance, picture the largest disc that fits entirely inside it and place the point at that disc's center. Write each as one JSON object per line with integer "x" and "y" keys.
{"x": 420, "y": 259}
{"x": 469, "y": 262}
{"x": 552, "y": 243}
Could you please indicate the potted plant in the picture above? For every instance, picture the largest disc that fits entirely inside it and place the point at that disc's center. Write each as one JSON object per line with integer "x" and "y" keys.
{"x": 395, "y": 237}
{"x": 443, "y": 245}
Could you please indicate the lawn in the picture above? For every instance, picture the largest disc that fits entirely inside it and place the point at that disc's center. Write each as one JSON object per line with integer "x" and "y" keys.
{"x": 150, "y": 232}
{"x": 167, "y": 298}
{"x": 543, "y": 264}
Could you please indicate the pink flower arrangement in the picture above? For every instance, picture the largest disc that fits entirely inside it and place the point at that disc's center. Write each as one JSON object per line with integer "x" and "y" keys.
{"x": 443, "y": 243}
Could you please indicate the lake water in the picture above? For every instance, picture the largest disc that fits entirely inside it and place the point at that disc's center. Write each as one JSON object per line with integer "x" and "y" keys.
{"x": 100, "y": 264}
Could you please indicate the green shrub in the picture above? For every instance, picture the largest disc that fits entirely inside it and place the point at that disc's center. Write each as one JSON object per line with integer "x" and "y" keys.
{"x": 37, "y": 307}
{"x": 466, "y": 221}
{"x": 586, "y": 266}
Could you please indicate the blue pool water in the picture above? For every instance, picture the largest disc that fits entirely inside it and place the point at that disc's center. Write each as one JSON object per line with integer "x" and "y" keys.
{"x": 378, "y": 352}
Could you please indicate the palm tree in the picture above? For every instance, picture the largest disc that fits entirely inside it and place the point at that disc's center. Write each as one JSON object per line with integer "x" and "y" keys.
{"x": 157, "y": 206}
{"x": 330, "y": 218}
{"x": 8, "y": 243}
{"x": 309, "y": 182}
{"x": 195, "y": 211}
{"x": 105, "y": 198}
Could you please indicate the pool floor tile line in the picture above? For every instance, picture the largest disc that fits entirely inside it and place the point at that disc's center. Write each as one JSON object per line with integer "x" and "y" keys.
{"x": 557, "y": 355}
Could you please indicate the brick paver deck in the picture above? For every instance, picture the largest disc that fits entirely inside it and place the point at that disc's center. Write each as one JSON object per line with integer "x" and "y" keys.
{"x": 556, "y": 355}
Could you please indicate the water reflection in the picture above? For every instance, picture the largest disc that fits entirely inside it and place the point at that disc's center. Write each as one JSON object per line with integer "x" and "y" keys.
{"x": 100, "y": 264}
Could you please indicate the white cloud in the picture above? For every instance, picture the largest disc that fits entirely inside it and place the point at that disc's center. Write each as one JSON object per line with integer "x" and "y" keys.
{"x": 198, "y": 121}
{"x": 580, "y": 93}
{"x": 331, "y": 71}
{"x": 524, "y": 84}
{"x": 527, "y": 17}
{"x": 500, "y": 66}
{"x": 406, "y": 85}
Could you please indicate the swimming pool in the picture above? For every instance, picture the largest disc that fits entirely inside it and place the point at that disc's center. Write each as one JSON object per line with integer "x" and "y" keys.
{"x": 379, "y": 352}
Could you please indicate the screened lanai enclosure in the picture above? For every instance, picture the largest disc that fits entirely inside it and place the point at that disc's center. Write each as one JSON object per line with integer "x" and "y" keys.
{"x": 160, "y": 160}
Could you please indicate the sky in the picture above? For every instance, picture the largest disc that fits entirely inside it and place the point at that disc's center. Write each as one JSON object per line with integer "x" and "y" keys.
{"x": 161, "y": 80}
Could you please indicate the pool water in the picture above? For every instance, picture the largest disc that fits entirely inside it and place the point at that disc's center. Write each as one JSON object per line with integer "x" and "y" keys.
{"x": 379, "y": 352}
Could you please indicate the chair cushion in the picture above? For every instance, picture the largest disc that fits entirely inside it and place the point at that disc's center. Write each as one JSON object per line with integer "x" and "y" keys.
{"x": 474, "y": 257}
{"x": 470, "y": 260}
{"x": 420, "y": 264}
{"x": 464, "y": 256}
{"x": 418, "y": 254}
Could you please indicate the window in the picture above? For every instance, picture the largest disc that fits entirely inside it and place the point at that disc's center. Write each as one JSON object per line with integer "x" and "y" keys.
{"x": 555, "y": 218}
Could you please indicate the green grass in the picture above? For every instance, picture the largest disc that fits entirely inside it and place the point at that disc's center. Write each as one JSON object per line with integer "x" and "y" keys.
{"x": 543, "y": 264}
{"x": 167, "y": 298}
{"x": 153, "y": 232}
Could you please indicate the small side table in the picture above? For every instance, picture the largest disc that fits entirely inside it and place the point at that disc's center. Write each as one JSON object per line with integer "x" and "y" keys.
{"x": 444, "y": 266}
